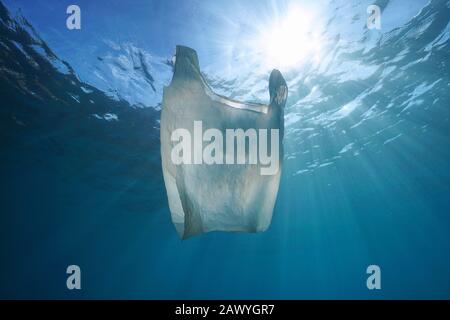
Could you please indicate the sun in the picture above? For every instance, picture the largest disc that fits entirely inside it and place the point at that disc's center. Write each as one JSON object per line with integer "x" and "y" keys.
{"x": 289, "y": 40}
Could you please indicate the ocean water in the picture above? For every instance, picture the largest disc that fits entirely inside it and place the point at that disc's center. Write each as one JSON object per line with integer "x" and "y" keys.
{"x": 365, "y": 180}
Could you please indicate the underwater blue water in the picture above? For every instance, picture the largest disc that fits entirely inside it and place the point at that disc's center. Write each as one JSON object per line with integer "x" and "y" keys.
{"x": 365, "y": 179}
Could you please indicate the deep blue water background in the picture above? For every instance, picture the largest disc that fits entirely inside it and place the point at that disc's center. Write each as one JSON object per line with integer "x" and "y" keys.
{"x": 75, "y": 190}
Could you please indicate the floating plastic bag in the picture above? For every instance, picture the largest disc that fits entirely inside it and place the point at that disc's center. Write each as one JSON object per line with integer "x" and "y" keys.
{"x": 221, "y": 158}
